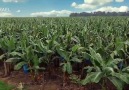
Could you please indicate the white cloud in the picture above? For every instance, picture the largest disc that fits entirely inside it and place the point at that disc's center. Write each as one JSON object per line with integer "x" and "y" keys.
{"x": 83, "y": 6}
{"x": 52, "y": 13}
{"x": 113, "y": 9}
{"x": 4, "y": 9}
{"x": 91, "y": 4}
{"x": 16, "y": 1}
{"x": 74, "y": 4}
{"x": 119, "y": 0}
{"x": 5, "y": 14}
{"x": 18, "y": 11}
{"x": 97, "y": 2}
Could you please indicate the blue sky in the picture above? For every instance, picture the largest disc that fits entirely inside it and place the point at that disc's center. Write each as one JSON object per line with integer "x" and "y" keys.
{"x": 55, "y": 8}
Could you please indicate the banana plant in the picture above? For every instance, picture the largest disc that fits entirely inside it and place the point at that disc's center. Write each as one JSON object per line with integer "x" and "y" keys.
{"x": 35, "y": 67}
{"x": 25, "y": 52}
{"x": 103, "y": 70}
{"x": 120, "y": 50}
{"x": 46, "y": 49}
{"x": 26, "y": 57}
{"x": 69, "y": 57}
{"x": 8, "y": 45}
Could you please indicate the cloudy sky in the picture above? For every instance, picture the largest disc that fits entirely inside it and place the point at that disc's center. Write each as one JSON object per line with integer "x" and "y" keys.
{"x": 56, "y": 8}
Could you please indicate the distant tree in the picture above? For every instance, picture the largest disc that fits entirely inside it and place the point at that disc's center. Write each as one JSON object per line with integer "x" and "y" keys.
{"x": 99, "y": 13}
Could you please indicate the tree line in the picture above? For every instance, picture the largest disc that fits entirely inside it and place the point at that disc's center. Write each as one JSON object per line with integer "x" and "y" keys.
{"x": 99, "y": 13}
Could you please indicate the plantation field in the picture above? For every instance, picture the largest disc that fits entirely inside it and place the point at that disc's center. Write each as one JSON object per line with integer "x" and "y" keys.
{"x": 76, "y": 53}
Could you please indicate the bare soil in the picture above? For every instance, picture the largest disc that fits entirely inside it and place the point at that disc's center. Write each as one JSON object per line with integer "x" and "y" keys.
{"x": 53, "y": 83}
{"x": 47, "y": 82}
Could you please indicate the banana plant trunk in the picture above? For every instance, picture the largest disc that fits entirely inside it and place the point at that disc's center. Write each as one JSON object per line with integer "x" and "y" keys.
{"x": 65, "y": 78}
{"x": 7, "y": 68}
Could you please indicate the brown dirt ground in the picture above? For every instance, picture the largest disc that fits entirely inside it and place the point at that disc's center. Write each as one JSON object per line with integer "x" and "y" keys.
{"x": 49, "y": 83}
{"x": 53, "y": 83}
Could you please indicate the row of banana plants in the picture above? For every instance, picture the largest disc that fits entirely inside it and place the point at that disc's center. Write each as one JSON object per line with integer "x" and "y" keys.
{"x": 95, "y": 47}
